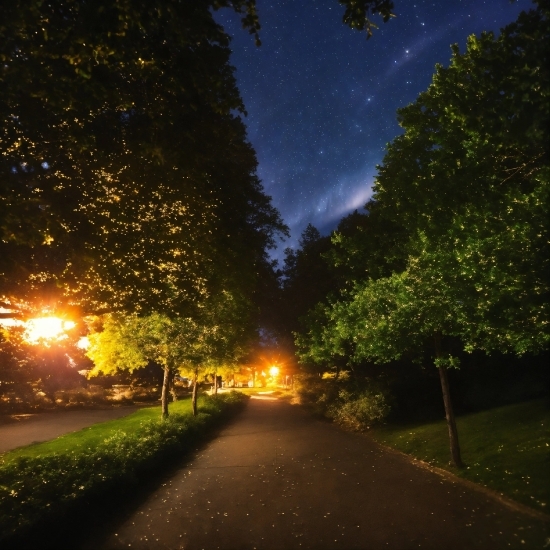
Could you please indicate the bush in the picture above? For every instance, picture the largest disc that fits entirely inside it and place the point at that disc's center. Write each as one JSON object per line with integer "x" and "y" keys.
{"x": 359, "y": 411}
{"x": 43, "y": 486}
{"x": 353, "y": 403}
{"x": 316, "y": 393}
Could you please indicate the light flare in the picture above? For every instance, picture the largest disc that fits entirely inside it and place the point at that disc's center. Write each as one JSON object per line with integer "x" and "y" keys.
{"x": 47, "y": 328}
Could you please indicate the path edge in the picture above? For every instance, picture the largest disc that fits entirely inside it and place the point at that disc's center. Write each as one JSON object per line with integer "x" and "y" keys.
{"x": 491, "y": 493}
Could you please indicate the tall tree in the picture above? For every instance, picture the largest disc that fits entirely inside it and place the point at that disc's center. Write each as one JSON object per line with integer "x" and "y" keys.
{"x": 124, "y": 171}
{"x": 468, "y": 183}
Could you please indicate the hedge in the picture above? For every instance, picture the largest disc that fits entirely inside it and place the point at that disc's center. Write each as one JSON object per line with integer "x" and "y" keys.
{"x": 42, "y": 487}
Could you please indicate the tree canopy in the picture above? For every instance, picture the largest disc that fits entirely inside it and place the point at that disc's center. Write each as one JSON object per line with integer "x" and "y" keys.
{"x": 467, "y": 188}
{"x": 127, "y": 179}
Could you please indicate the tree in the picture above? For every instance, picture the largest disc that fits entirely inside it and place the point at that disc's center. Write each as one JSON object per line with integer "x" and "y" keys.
{"x": 218, "y": 335}
{"x": 367, "y": 246}
{"x": 307, "y": 278}
{"x": 356, "y": 15}
{"x": 469, "y": 181}
{"x": 467, "y": 184}
{"x": 125, "y": 172}
{"x": 381, "y": 321}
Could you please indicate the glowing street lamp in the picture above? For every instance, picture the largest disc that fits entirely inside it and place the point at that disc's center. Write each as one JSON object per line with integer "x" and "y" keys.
{"x": 274, "y": 371}
{"x": 46, "y": 328}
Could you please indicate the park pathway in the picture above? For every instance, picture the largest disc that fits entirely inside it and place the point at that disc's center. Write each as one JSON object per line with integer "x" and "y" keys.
{"x": 278, "y": 479}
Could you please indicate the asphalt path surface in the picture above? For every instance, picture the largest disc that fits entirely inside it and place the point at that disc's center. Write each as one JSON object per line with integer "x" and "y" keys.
{"x": 25, "y": 429}
{"x": 276, "y": 478}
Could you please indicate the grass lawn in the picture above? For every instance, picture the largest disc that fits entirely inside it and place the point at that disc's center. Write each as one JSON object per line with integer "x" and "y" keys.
{"x": 91, "y": 436}
{"x": 506, "y": 449}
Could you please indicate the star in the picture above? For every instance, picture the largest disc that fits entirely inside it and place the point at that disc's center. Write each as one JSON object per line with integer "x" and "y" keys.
{"x": 317, "y": 147}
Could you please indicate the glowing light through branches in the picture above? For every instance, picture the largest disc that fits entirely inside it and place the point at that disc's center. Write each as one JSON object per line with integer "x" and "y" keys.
{"x": 46, "y": 328}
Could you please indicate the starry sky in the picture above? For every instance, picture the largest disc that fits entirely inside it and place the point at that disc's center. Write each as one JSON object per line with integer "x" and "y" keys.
{"x": 322, "y": 100}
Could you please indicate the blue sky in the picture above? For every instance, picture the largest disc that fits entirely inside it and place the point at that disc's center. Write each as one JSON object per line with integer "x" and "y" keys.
{"x": 321, "y": 99}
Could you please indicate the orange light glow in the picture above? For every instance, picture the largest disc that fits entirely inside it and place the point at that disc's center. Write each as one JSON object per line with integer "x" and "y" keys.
{"x": 274, "y": 371}
{"x": 46, "y": 328}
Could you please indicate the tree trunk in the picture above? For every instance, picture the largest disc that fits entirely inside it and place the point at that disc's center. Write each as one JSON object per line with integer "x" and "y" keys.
{"x": 164, "y": 395}
{"x": 253, "y": 378}
{"x": 173, "y": 392}
{"x": 449, "y": 414}
{"x": 194, "y": 397}
{"x": 216, "y": 383}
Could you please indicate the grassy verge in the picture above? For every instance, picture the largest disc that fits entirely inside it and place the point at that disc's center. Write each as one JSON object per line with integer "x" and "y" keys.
{"x": 506, "y": 449}
{"x": 42, "y": 482}
{"x": 86, "y": 439}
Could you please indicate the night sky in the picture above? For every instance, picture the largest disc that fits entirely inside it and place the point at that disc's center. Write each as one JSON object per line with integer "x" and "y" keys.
{"x": 321, "y": 99}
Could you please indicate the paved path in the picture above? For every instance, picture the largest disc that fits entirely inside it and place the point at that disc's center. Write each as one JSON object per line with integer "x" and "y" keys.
{"x": 279, "y": 479}
{"x": 21, "y": 430}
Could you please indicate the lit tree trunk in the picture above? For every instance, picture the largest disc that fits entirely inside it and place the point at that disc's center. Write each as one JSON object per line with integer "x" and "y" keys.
{"x": 449, "y": 414}
{"x": 164, "y": 395}
{"x": 194, "y": 397}
{"x": 215, "y": 382}
{"x": 173, "y": 392}
{"x": 253, "y": 378}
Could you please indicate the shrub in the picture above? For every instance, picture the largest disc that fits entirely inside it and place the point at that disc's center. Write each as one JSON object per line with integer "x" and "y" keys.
{"x": 359, "y": 411}
{"x": 316, "y": 393}
{"x": 355, "y": 403}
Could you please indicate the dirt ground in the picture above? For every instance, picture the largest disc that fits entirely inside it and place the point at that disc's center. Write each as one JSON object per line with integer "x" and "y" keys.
{"x": 24, "y": 429}
{"x": 276, "y": 478}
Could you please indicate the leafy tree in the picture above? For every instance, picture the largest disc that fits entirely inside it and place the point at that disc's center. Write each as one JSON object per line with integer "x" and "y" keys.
{"x": 367, "y": 246}
{"x": 357, "y": 14}
{"x": 467, "y": 184}
{"x": 219, "y": 335}
{"x": 125, "y": 173}
{"x": 469, "y": 181}
{"x": 306, "y": 277}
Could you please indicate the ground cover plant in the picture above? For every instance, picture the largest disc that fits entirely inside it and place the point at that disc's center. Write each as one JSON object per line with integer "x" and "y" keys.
{"x": 42, "y": 481}
{"x": 506, "y": 449}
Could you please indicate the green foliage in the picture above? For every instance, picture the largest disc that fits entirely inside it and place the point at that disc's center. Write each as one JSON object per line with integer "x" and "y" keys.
{"x": 355, "y": 404}
{"x": 466, "y": 188}
{"x": 217, "y": 334}
{"x": 127, "y": 179}
{"x": 505, "y": 449}
{"x": 469, "y": 181}
{"x": 32, "y": 488}
{"x": 357, "y": 14}
{"x": 367, "y": 246}
{"x": 359, "y": 411}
